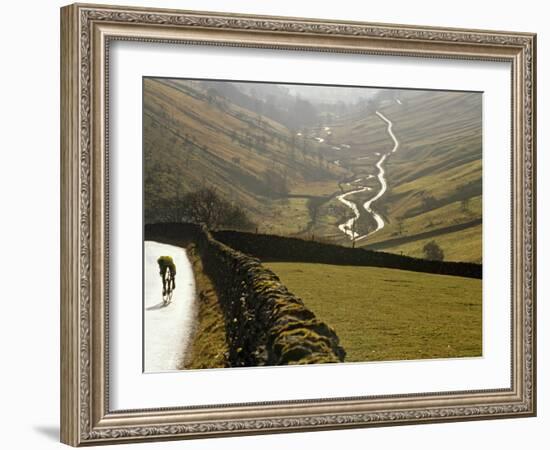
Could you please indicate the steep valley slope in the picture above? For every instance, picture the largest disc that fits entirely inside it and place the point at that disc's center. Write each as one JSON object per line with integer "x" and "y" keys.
{"x": 288, "y": 178}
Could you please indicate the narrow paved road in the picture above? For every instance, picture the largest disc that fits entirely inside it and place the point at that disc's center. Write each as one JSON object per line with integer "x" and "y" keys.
{"x": 381, "y": 178}
{"x": 348, "y": 227}
{"x": 168, "y": 329}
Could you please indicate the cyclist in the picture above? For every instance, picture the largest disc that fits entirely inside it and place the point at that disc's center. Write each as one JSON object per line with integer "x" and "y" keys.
{"x": 168, "y": 274}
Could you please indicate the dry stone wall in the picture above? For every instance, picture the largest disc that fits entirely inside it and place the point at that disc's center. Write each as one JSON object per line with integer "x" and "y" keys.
{"x": 265, "y": 323}
{"x": 279, "y": 248}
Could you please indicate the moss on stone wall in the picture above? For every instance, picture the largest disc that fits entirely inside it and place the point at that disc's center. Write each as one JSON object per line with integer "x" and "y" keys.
{"x": 265, "y": 323}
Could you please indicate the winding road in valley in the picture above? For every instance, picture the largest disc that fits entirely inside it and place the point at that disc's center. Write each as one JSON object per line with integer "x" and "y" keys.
{"x": 348, "y": 227}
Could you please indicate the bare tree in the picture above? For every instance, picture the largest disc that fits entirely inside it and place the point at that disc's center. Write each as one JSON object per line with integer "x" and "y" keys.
{"x": 208, "y": 208}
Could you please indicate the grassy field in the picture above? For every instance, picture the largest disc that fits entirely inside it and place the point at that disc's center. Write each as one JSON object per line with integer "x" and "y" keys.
{"x": 464, "y": 245}
{"x": 209, "y": 347}
{"x": 388, "y": 314}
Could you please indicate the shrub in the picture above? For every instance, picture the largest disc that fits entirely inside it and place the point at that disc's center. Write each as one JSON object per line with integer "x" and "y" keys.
{"x": 433, "y": 251}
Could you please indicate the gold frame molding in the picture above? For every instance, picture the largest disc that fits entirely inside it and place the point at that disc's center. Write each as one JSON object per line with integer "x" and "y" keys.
{"x": 86, "y": 31}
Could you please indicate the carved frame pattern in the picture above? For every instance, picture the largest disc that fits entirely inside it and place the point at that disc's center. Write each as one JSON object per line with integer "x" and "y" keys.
{"x": 94, "y": 423}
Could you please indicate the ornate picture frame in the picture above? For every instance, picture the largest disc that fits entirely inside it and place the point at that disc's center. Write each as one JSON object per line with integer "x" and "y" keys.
{"x": 87, "y": 31}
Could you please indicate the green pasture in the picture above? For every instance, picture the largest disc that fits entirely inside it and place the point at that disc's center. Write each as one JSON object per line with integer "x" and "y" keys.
{"x": 389, "y": 314}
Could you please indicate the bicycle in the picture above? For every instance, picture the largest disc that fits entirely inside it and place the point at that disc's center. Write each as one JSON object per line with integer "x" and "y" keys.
{"x": 167, "y": 272}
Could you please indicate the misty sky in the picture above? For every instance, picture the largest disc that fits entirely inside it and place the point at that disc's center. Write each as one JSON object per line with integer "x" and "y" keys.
{"x": 312, "y": 93}
{"x": 328, "y": 94}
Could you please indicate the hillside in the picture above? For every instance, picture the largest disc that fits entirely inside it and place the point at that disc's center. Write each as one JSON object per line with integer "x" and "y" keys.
{"x": 435, "y": 176}
{"x": 301, "y": 173}
{"x": 194, "y": 138}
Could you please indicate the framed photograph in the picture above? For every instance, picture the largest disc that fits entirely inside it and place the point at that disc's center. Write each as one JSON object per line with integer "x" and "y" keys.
{"x": 275, "y": 224}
